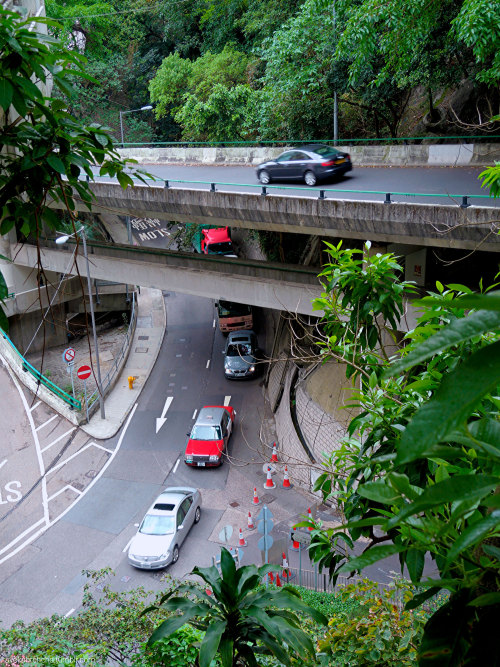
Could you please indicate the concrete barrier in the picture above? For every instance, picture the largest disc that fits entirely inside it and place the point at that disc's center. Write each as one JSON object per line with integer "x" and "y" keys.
{"x": 411, "y": 155}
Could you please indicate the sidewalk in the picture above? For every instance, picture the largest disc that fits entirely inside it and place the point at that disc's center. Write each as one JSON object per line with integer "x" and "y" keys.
{"x": 144, "y": 350}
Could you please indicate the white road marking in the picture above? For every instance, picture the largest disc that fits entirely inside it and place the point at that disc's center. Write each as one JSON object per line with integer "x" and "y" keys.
{"x": 176, "y": 466}
{"x": 35, "y": 406}
{"x": 80, "y": 451}
{"x": 125, "y": 548}
{"x": 227, "y": 400}
{"x": 98, "y": 476}
{"x": 59, "y": 438}
{"x": 3, "y": 462}
{"x": 213, "y": 325}
{"x": 47, "y": 422}
{"x": 161, "y": 420}
{"x": 68, "y": 613}
{"x": 194, "y": 414}
{"x": 21, "y": 535}
{"x": 208, "y": 363}
{"x": 68, "y": 486}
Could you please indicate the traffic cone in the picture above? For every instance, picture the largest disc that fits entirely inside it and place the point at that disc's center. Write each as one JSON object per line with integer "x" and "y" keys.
{"x": 274, "y": 457}
{"x": 256, "y": 500}
{"x": 271, "y": 577}
{"x": 242, "y": 542}
{"x": 269, "y": 480}
{"x": 286, "y": 479}
{"x": 295, "y": 544}
{"x": 250, "y": 525}
{"x": 310, "y": 517}
{"x": 278, "y": 581}
{"x": 285, "y": 575}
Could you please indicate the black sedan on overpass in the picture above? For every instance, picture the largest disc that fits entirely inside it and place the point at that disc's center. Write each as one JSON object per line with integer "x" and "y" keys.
{"x": 311, "y": 163}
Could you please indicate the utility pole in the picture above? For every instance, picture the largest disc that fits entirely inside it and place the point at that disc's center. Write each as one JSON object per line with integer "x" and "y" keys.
{"x": 335, "y": 100}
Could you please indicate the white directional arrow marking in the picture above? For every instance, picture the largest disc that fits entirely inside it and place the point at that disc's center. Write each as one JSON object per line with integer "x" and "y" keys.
{"x": 161, "y": 420}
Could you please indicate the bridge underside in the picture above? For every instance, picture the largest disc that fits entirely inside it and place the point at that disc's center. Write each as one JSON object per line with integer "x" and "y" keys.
{"x": 276, "y": 286}
{"x": 446, "y": 226}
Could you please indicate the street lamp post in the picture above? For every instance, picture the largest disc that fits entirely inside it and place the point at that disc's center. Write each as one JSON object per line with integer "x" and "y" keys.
{"x": 63, "y": 239}
{"x": 148, "y": 107}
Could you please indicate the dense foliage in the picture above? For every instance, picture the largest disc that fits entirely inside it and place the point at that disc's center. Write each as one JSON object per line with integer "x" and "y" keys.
{"x": 418, "y": 474}
{"x": 269, "y": 70}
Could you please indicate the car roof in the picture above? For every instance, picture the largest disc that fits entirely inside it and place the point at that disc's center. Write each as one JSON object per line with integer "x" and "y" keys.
{"x": 312, "y": 148}
{"x": 219, "y": 234}
{"x": 168, "y": 501}
{"x": 240, "y": 336}
{"x": 210, "y": 415}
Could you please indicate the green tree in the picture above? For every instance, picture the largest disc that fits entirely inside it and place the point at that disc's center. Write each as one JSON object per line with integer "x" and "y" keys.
{"x": 44, "y": 150}
{"x": 240, "y": 618}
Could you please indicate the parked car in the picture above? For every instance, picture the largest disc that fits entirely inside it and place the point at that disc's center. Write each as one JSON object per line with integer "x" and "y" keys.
{"x": 311, "y": 163}
{"x": 240, "y": 355}
{"x": 164, "y": 528}
{"x": 209, "y": 436}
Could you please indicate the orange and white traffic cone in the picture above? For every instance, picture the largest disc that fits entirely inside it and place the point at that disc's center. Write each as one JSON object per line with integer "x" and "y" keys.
{"x": 274, "y": 457}
{"x": 278, "y": 581}
{"x": 242, "y": 542}
{"x": 250, "y": 525}
{"x": 256, "y": 500}
{"x": 286, "y": 572}
{"x": 271, "y": 577}
{"x": 295, "y": 544}
{"x": 310, "y": 517}
{"x": 269, "y": 480}
{"x": 286, "y": 479}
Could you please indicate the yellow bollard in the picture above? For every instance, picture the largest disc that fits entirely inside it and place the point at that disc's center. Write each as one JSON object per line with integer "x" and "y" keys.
{"x": 131, "y": 379}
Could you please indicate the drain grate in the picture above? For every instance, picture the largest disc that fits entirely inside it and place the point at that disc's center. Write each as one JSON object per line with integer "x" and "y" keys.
{"x": 267, "y": 498}
{"x": 142, "y": 350}
{"x": 234, "y": 504}
{"x": 143, "y": 337}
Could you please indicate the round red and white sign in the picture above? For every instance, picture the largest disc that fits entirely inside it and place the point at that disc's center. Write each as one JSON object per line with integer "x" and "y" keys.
{"x": 69, "y": 354}
{"x": 84, "y": 372}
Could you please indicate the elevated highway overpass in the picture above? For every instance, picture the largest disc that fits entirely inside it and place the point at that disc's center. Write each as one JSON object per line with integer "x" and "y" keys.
{"x": 433, "y": 225}
{"x": 264, "y": 284}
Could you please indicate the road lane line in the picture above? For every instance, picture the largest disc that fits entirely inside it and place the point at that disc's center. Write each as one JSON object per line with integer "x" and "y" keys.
{"x": 208, "y": 363}
{"x": 70, "y": 507}
{"x": 101, "y": 447}
{"x": 68, "y": 486}
{"x": 213, "y": 325}
{"x": 176, "y": 466}
{"x": 47, "y": 422}
{"x": 68, "y": 613}
{"x": 35, "y": 406}
{"x": 20, "y": 536}
{"x": 194, "y": 414}
{"x": 227, "y": 400}
{"x": 39, "y": 456}
{"x": 59, "y": 438}
{"x": 125, "y": 548}
{"x": 3, "y": 463}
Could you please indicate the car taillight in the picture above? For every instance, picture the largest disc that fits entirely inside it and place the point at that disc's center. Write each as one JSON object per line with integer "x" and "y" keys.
{"x": 330, "y": 163}
{"x": 347, "y": 156}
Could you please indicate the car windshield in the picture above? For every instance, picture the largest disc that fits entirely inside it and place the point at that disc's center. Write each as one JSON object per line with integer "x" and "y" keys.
{"x": 238, "y": 350}
{"x": 218, "y": 248}
{"x": 153, "y": 524}
{"x": 203, "y": 432}
{"x": 229, "y": 309}
{"x": 326, "y": 151}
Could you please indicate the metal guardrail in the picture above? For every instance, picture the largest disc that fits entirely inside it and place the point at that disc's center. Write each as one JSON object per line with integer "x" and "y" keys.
{"x": 464, "y": 198}
{"x": 73, "y": 403}
{"x": 106, "y": 381}
{"x": 303, "y": 142}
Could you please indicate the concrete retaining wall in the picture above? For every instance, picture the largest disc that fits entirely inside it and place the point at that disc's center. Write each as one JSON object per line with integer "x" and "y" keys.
{"x": 411, "y": 155}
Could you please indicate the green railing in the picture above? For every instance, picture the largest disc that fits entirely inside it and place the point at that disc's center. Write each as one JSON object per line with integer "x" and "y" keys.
{"x": 296, "y": 142}
{"x": 73, "y": 403}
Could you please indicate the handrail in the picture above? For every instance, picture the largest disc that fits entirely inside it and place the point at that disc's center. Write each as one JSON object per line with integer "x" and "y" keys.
{"x": 73, "y": 403}
{"x": 302, "y": 142}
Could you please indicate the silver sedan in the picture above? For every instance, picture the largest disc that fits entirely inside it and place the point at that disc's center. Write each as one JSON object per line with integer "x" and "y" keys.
{"x": 164, "y": 528}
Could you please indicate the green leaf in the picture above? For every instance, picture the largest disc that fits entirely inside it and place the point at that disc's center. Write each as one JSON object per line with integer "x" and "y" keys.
{"x": 491, "y": 550}
{"x": 372, "y": 555}
{"x": 485, "y": 600}
{"x": 419, "y": 599}
{"x": 379, "y": 492}
{"x": 415, "y": 561}
{"x": 458, "y": 331}
{"x": 448, "y": 409}
{"x": 210, "y": 642}
{"x": 226, "y": 649}
{"x": 174, "y": 623}
{"x": 6, "y": 91}
{"x": 56, "y": 163}
{"x": 474, "y": 534}
{"x": 460, "y": 487}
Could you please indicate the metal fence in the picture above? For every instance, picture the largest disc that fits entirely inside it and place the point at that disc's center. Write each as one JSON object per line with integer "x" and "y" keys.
{"x": 109, "y": 377}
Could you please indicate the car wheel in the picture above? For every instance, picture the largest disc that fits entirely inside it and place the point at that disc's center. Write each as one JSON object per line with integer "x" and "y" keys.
{"x": 310, "y": 178}
{"x": 264, "y": 177}
{"x": 175, "y": 554}
{"x": 197, "y": 515}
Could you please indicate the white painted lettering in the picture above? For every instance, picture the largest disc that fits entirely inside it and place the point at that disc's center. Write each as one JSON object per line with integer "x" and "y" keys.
{"x": 16, "y": 495}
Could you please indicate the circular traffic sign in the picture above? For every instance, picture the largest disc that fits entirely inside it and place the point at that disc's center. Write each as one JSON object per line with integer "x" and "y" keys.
{"x": 69, "y": 354}
{"x": 84, "y": 372}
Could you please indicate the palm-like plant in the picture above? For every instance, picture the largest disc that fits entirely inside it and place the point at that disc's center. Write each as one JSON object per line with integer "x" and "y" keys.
{"x": 240, "y": 618}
